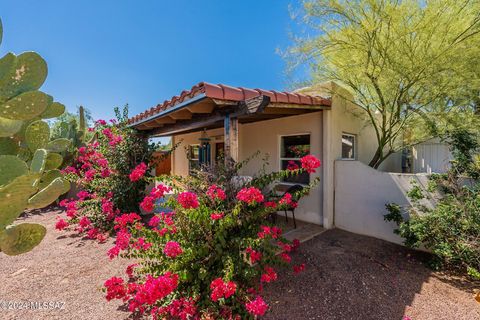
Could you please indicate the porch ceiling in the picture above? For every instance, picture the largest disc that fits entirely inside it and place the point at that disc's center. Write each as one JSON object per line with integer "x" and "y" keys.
{"x": 205, "y": 106}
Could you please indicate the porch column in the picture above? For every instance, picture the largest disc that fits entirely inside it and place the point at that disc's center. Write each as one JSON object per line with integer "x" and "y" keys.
{"x": 231, "y": 137}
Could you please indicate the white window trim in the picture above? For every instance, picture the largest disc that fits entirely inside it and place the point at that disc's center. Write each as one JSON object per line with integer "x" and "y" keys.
{"x": 354, "y": 146}
{"x": 280, "y": 159}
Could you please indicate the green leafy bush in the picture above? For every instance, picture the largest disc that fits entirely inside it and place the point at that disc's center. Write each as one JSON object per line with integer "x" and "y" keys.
{"x": 102, "y": 172}
{"x": 210, "y": 256}
{"x": 450, "y": 230}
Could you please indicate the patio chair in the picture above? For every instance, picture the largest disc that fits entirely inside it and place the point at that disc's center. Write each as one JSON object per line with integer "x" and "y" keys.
{"x": 292, "y": 190}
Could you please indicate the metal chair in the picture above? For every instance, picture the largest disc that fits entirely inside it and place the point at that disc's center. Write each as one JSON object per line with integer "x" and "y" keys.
{"x": 292, "y": 190}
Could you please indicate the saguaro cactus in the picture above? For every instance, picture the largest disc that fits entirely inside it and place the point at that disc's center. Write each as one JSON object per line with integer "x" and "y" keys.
{"x": 29, "y": 178}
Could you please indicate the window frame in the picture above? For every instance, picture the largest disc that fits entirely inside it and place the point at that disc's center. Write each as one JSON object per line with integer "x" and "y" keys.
{"x": 280, "y": 158}
{"x": 354, "y": 136}
{"x": 190, "y": 160}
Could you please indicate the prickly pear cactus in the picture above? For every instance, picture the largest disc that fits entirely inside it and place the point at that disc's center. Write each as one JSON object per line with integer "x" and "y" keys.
{"x": 29, "y": 178}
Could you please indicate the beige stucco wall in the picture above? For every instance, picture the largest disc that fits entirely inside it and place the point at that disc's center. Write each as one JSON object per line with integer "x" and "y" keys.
{"x": 264, "y": 136}
{"x": 361, "y": 193}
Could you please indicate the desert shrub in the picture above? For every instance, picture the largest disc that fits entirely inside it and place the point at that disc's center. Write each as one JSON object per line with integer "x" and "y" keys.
{"x": 451, "y": 229}
{"x": 210, "y": 256}
{"x": 103, "y": 172}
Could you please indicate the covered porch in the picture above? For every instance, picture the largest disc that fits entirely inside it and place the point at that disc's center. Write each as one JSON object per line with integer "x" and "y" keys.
{"x": 212, "y": 122}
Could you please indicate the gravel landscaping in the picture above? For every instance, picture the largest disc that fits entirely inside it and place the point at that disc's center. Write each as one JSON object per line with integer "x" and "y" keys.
{"x": 347, "y": 276}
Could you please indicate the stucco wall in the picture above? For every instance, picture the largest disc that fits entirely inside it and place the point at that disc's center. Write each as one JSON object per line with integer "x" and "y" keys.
{"x": 264, "y": 136}
{"x": 361, "y": 193}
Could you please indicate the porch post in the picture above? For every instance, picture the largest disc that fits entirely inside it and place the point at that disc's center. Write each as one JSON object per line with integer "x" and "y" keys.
{"x": 231, "y": 137}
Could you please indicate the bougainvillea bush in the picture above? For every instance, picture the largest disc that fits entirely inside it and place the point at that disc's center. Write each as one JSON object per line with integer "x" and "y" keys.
{"x": 103, "y": 172}
{"x": 210, "y": 256}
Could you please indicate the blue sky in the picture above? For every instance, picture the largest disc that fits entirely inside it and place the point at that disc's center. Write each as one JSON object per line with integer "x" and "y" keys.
{"x": 106, "y": 53}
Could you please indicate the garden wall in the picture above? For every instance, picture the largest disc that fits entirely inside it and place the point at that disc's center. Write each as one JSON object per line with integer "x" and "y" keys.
{"x": 361, "y": 193}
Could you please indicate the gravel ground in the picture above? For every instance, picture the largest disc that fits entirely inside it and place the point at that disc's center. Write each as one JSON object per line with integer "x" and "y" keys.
{"x": 347, "y": 277}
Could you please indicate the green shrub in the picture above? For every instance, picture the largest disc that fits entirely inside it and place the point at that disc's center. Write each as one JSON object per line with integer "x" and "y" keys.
{"x": 450, "y": 230}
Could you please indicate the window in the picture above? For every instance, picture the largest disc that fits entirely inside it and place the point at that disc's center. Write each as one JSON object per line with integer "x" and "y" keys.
{"x": 348, "y": 146}
{"x": 292, "y": 148}
{"x": 193, "y": 158}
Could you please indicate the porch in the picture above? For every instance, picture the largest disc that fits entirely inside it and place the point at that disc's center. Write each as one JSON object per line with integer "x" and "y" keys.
{"x": 212, "y": 122}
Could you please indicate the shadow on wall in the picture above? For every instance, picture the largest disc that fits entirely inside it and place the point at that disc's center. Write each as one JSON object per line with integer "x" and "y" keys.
{"x": 361, "y": 193}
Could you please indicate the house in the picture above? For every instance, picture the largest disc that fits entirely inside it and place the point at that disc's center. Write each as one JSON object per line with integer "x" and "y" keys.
{"x": 212, "y": 120}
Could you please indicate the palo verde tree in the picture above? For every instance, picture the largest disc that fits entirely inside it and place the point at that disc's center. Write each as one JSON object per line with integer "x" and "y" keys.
{"x": 405, "y": 62}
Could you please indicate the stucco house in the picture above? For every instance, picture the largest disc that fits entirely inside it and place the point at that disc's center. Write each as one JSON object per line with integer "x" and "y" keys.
{"x": 211, "y": 120}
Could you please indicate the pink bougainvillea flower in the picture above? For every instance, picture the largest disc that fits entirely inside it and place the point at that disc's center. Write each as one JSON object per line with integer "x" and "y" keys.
{"x": 188, "y": 200}
{"x": 147, "y": 204}
{"x": 113, "y": 252}
{"x": 257, "y": 307}
{"x": 153, "y": 290}
{"x": 82, "y": 195}
{"x": 154, "y": 221}
{"x": 101, "y": 122}
{"x": 126, "y": 219}
{"x": 129, "y": 269}
{"x": 310, "y": 163}
{"x": 221, "y": 289}
{"x": 183, "y": 308}
{"x": 299, "y": 268}
{"x": 138, "y": 172}
{"x": 295, "y": 244}
{"x": 214, "y": 192}
{"x": 291, "y": 166}
{"x": 115, "y": 288}
{"x": 250, "y": 195}
{"x": 159, "y": 191}
{"x": 270, "y": 204}
{"x": 61, "y": 224}
{"x": 269, "y": 275}
{"x": 101, "y": 237}
{"x": 84, "y": 222}
{"x": 285, "y": 257}
{"x": 172, "y": 249}
{"x": 141, "y": 244}
{"x": 254, "y": 255}
{"x": 217, "y": 216}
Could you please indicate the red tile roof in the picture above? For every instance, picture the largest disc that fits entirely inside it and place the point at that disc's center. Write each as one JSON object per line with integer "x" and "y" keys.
{"x": 224, "y": 92}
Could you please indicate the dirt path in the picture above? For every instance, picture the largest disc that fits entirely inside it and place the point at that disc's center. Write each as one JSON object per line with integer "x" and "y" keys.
{"x": 347, "y": 277}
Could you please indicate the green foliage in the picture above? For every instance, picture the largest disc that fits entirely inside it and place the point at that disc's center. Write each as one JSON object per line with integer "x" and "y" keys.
{"x": 24, "y": 161}
{"x": 450, "y": 230}
{"x": 405, "y": 63}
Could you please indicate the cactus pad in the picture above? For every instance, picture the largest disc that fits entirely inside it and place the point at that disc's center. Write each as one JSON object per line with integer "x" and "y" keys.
{"x": 9, "y": 127}
{"x": 27, "y": 74}
{"x": 37, "y": 135}
{"x": 48, "y": 176}
{"x": 39, "y": 161}
{"x": 8, "y": 146}
{"x": 25, "y": 106}
{"x": 54, "y": 160}
{"x": 58, "y": 145}
{"x": 21, "y": 238}
{"x": 54, "y": 110}
{"x": 47, "y": 195}
{"x": 14, "y": 197}
{"x": 11, "y": 167}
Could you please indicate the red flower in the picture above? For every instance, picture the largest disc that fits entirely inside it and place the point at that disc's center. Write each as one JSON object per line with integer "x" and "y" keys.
{"x": 291, "y": 166}
{"x": 115, "y": 288}
{"x": 182, "y": 308}
{"x": 216, "y": 193}
{"x": 82, "y": 195}
{"x": 299, "y": 268}
{"x": 188, "y": 200}
{"x": 138, "y": 172}
{"x": 269, "y": 275}
{"x": 250, "y": 195}
{"x": 129, "y": 270}
{"x": 270, "y": 204}
{"x": 254, "y": 255}
{"x": 217, "y": 216}
{"x": 148, "y": 204}
{"x": 153, "y": 290}
{"x": 285, "y": 257}
{"x": 172, "y": 249}
{"x": 126, "y": 219}
{"x": 154, "y": 221}
{"x": 257, "y": 307}
{"x": 159, "y": 191}
{"x": 61, "y": 224}
{"x": 221, "y": 289}
{"x": 310, "y": 163}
